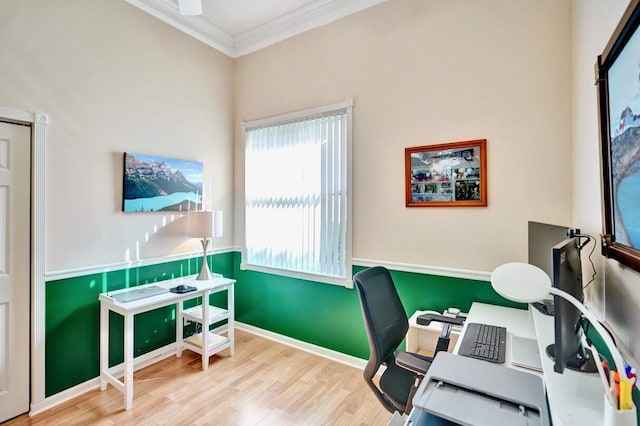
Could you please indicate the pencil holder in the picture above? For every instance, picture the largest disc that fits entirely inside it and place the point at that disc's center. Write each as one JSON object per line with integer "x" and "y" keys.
{"x": 615, "y": 417}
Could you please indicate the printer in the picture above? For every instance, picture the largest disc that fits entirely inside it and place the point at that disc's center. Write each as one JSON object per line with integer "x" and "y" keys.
{"x": 458, "y": 390}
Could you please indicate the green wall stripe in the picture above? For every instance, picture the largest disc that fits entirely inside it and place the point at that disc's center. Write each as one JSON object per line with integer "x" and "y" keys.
{"x": 330, "y": 316}
{"x": 321, "y": 314}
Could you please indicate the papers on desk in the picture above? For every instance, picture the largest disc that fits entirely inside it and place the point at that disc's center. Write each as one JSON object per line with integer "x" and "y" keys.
{"x": 525, "y": 353}
{"x": 137, "y": 293}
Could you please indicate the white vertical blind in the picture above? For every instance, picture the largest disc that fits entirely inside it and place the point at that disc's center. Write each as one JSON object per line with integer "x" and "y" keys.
{"x": 296, "y": 194}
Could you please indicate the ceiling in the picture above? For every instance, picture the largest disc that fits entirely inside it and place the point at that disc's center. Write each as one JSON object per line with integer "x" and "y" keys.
{"x": 239, "y": 27}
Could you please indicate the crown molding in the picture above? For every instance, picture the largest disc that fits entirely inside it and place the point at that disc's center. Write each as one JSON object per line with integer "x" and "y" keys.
{"x": 195, "y": 26}
{"x": 314, "y": 14}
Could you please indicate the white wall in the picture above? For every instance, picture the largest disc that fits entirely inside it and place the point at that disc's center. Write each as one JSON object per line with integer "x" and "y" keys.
{"x": 425, "y": 72}
{"x": 113, "y": 79}
{"x": 616, "y": 292}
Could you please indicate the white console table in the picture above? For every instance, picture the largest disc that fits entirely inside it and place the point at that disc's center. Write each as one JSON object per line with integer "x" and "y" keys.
{"x": 205, "y": 344}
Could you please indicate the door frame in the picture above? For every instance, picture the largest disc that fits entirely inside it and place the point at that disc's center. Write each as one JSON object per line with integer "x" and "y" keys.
{"x": 38, "y": 122}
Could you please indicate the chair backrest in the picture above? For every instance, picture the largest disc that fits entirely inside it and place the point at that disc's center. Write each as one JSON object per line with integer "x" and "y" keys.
{"x": 386, "y": 323}
{"x": 384, "y": 315}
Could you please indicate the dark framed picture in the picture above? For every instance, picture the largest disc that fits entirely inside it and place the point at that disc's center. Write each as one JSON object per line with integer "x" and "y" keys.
{"x": 153, "y": 183}
{"x": 618, "y": 82}
{"x": 447, "y": 175}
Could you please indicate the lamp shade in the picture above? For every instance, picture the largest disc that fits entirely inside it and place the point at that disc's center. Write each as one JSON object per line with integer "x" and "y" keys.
{"x": 190, "y": 7}
{"x": 520, "y": 282}
{"x": 204, "y": 224}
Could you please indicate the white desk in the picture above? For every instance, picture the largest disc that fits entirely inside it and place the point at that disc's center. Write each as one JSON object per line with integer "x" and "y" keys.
{"x": 517, "y": 321}
{"x": 574, "y": 398}
{"x": 130, "y": 309}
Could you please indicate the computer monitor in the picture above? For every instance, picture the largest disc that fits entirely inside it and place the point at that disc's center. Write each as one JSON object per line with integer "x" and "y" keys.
{"x": 567, "y": 350}
{"x": 542, "y": 237}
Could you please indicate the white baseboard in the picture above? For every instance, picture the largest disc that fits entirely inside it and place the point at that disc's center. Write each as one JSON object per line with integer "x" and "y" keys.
{"x": 64, "y": 396}
{"x": 304, "y": 346}
{"x": 140, "y": 362}
{"x": 170, "y": 350}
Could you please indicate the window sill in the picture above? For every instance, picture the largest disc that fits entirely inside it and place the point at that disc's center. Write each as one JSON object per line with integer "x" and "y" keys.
{"x": 342, "y": 282}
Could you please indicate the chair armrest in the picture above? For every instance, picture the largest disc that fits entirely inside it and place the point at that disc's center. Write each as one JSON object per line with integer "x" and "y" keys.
{"x": 425, "y": 319}
{"x": 413, "y": 362}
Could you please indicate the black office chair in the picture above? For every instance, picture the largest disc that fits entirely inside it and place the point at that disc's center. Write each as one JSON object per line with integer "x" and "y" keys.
{"x": 387, "y": 324}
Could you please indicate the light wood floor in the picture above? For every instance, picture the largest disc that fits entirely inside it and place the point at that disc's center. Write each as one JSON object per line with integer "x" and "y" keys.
{"x": 264, "y": 383}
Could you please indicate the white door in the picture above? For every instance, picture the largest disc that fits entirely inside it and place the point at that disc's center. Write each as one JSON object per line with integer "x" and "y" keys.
{"x": 15, "y": 266}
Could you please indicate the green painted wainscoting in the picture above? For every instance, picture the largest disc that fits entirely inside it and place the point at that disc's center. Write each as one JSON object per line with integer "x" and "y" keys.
{"x": 329, "y": 316}
{"x": 321, "y": 314}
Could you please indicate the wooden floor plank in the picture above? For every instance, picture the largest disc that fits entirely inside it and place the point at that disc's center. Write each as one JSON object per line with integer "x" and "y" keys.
{"x": 264, "y": 383}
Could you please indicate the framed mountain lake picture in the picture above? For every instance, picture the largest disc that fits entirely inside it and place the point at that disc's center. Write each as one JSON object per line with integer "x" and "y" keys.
{"x": 618, "y": 84}
{"x": 153, "y": 184}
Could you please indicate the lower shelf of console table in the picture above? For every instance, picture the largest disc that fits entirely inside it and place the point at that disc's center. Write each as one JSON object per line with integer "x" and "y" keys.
{"x": 213, "y": 342}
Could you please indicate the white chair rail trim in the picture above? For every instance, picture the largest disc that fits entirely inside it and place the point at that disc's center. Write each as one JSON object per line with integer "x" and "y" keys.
{"x": 426, "y": 269}
{"x": 108, "y": 267}
{"x": 396, "y": 266}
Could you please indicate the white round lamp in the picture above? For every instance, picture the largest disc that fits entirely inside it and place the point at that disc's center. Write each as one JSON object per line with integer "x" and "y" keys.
{"x": 520, "y": 282}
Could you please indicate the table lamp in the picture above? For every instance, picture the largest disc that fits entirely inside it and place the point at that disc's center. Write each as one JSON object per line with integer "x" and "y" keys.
{"x": 204, "y": 225}
{"x": 525, "y": 283}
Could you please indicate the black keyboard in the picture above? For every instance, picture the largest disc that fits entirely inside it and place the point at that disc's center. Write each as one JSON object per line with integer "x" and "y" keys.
{"x": 485, "y": 342}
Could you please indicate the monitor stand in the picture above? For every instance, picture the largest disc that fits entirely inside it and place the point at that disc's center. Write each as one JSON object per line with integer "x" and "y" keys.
{"x": 578, "y": 362}
{"x": 545, "y": 306}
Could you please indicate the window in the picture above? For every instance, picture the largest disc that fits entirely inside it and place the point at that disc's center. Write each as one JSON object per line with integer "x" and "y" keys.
{"x": 297, "y": 194}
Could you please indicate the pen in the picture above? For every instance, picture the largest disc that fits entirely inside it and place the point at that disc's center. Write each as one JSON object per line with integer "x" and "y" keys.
{"x": 626, "y": 402}
{"x": 631, "y": 375}
{"x": 605, "y": 366}
{"x": 615, "y": 387}
{"x": 603, "y": 372}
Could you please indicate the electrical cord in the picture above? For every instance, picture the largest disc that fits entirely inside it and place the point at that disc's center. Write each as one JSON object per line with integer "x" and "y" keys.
{"x": 593, "y": 266}
{"x": 585, "y": 324}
